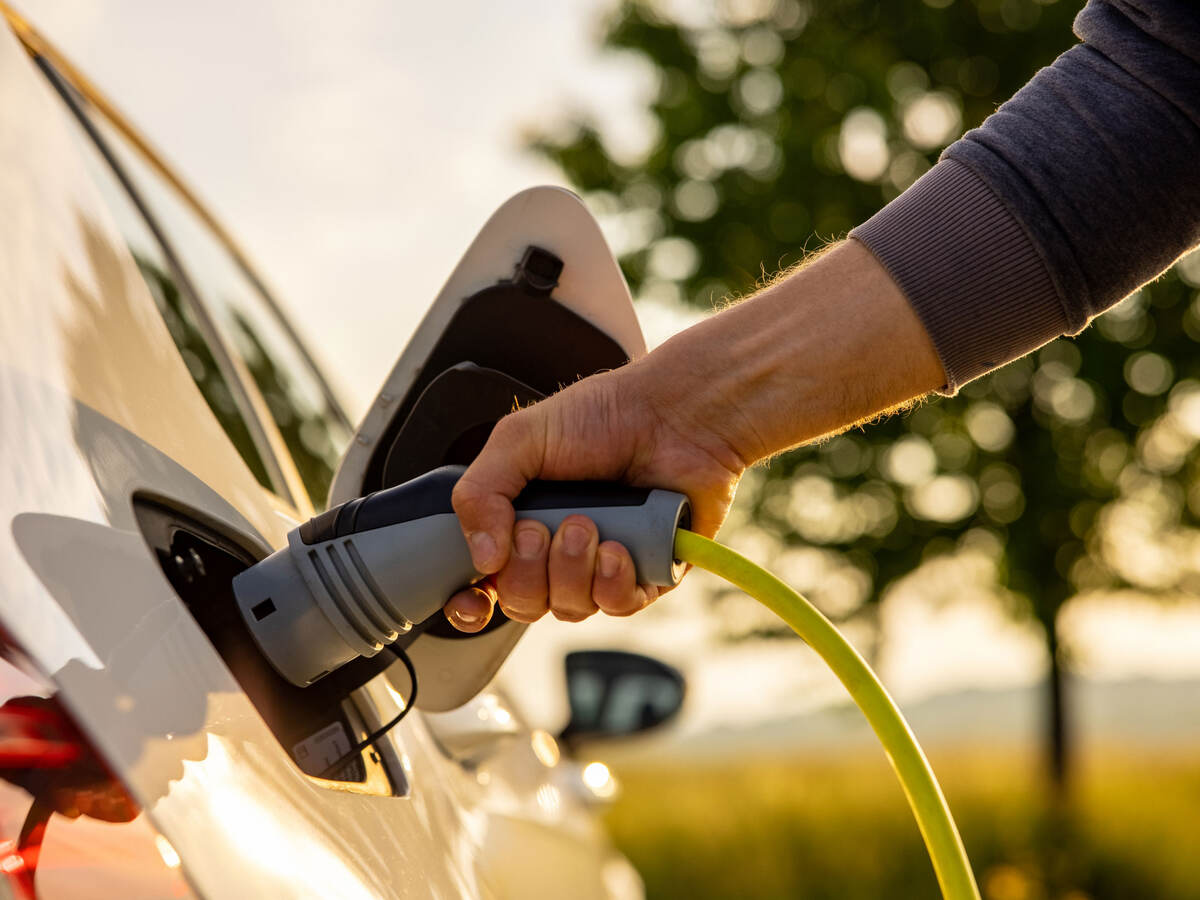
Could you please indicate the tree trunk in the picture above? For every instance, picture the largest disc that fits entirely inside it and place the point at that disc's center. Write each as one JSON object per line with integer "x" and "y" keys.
{"x": 872, "y": 649}
{"x": 1058, "y": 743}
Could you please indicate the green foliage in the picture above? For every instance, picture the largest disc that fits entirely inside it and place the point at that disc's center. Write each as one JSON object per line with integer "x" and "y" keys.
{"x": 780, "y": 125}
{"x": 750, "y": 107}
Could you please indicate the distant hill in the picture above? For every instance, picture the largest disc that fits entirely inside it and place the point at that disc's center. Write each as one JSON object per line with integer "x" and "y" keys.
{"x": 1163, "y": 714}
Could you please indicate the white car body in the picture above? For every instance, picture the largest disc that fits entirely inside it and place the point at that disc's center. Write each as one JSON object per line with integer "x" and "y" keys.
{"x": 97, "y": 407}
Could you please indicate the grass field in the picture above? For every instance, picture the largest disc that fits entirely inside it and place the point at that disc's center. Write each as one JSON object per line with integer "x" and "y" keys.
{"x": 809, "y": 827}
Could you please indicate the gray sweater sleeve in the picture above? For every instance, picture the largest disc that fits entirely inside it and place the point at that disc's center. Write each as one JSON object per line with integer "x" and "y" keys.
{"x": 1082, "y": 187}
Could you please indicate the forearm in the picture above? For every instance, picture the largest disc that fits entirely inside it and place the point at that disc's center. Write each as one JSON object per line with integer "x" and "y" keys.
{"x": 831, "y": 344}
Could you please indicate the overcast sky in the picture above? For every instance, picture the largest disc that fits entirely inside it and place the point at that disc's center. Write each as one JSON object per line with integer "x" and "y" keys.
{"x": 354, "y": 153}
{"x": 355, "y": 149}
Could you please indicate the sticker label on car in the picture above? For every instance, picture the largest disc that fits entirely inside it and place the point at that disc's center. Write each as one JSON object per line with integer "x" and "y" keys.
{"x": 319, "y": 751}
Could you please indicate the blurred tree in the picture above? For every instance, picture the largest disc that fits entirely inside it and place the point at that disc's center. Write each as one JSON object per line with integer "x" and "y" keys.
{"x": 774, "y": 121}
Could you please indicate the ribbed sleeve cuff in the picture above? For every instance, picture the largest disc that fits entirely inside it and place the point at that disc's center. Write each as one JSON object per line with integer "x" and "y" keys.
{"x": 969, "y": 269}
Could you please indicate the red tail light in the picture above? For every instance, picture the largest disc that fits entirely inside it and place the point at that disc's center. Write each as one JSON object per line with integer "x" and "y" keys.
{"x": 43, "y": 753}
{"x": 34, "y": 733}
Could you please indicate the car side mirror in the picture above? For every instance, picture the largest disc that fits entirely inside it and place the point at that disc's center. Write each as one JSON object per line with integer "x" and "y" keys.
{"x": 613, "y": 693}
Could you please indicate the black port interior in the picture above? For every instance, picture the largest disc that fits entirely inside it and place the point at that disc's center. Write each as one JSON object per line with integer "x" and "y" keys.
{"x": 200, "y": 563}
{"x": 492, "y": 330}
{"x": 487, "y": 360}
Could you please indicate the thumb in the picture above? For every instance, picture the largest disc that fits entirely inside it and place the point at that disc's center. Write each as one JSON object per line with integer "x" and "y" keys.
{"x": 512, "y": 456}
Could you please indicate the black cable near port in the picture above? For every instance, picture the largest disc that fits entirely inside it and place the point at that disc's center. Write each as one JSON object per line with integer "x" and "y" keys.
{"x": 370, "y": 740}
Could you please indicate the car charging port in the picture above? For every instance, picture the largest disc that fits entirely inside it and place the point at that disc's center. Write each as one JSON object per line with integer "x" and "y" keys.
{"x": 314, "y": 725}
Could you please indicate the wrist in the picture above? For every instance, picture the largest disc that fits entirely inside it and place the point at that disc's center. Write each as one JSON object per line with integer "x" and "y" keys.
{"x": 693, "y": 386}
{"x": 829, "y": 345}
{"x": 851, "y": 346}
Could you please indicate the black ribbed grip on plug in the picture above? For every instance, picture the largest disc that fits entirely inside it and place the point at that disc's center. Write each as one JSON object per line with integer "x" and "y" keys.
{"x": 429, "y": 495}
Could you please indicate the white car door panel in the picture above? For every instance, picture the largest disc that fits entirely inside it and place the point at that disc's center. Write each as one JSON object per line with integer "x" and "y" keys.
{"x": 114, "y": 468}
{"x": 97, "y": 406}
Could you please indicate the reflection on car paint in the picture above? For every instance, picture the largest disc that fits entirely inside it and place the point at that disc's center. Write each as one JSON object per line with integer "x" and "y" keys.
{"x": 98, "y": 406}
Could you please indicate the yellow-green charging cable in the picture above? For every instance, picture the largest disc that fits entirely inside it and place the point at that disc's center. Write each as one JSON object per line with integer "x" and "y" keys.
{"x": 916, "y": 777}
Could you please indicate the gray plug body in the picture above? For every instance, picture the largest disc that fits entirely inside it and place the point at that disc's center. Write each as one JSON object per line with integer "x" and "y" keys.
{"x": 355, "y": 578}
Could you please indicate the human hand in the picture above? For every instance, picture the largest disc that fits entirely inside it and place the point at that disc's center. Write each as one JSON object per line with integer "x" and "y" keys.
{"x": 833, "y": 343}
{"x": 615, "y": 426}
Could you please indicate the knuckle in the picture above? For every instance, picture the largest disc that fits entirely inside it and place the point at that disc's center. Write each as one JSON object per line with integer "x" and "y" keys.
{"x": 573, "y": 601}
{"x": 525, "y": 583}
{"x": 505, "y": 425}
{"x": 523, "y": 614}
{"x": 463, "y": 490}
{"x": 509, "y": 431}
{"x": 633, "y": 602}
{"x": 467, "y": 499}
{"x": 620, "y": 606}
{"x": 571, "y": 615}
{"x": 523, "y": 595}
